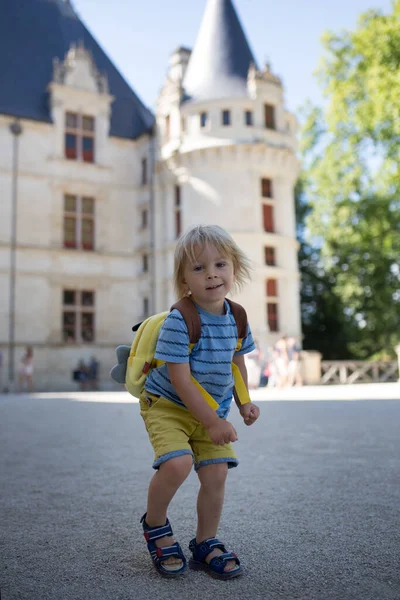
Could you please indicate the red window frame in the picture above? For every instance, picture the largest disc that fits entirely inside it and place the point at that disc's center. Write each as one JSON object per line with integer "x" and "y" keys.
{"x": 272, "y": 317}
{"x": 268, "y": 218}
{"x": 271, "y": 288}
{"x": 266, "y": 187}
{"x": 269, "y": 256}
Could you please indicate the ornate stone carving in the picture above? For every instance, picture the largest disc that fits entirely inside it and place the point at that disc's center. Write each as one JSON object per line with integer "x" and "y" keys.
{"x": 75, "y": 55}
{"x": 265, "y": 76}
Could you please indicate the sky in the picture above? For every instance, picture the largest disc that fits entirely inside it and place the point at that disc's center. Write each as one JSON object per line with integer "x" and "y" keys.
{"x": 140, "y": 35}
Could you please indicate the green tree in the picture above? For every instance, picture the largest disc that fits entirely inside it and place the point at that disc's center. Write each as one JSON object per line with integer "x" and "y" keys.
{"x": 324, "y": 323}
{"x": 352, "y": 181}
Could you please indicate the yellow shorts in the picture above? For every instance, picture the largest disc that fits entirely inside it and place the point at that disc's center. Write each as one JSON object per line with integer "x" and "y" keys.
{"x": 174, "y": 431}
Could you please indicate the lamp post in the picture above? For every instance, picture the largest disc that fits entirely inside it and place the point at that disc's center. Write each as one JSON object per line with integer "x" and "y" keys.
{"x": 16, "y": 130}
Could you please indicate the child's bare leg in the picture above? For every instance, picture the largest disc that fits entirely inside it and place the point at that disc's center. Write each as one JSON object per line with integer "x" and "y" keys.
{"x": 163, "y": 487}
{"x": 209, "y": 505}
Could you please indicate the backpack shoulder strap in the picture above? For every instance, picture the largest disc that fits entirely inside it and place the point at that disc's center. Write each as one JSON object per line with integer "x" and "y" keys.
{"x": 240, "y": 317}
{"x": 191, "y": 317}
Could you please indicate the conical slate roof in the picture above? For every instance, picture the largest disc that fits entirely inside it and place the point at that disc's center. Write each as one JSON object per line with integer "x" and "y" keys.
{"x": 221, "y": 58}
{"x": 32, "y": 34}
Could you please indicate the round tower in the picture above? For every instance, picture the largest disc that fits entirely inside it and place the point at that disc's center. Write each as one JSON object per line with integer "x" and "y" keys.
{"x": 227, "y": 155}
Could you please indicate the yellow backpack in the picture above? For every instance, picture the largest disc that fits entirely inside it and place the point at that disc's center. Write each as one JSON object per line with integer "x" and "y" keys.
{"x": 135, "y": 362}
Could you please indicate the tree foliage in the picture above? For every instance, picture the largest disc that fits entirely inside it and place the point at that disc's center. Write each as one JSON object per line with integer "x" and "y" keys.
{"x": 323, "y": 319}
{"x": 352, "y": 182}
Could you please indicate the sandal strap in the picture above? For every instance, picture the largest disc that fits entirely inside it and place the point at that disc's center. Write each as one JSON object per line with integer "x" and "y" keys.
{"x": 154, "y": 533}
{"x": 203, "y": 549}
{"x": 213, "y": 543}
{"x": 161, "y": 554}
{"x": 217, "y": 564}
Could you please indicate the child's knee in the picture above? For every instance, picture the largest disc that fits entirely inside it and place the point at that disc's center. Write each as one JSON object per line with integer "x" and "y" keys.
{"x": 213, "y": 475}
{"x": 178, "y": 468}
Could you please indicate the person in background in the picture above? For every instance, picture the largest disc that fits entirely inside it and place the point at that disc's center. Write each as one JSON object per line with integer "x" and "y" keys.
{"x": 267, "y": 368}
{"x": 81, "y": 375}
{"x": 93, "y": 373}
{"x": 253, "y": 365}
{"x": 294, "y": 368}
{"x": 281, "y": 361}
{"x": 25, "y": 373}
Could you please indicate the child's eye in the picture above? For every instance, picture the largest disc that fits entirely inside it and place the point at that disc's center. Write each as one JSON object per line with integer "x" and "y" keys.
{"x": 197, "y": 268}
{"x": 221, "y": 264}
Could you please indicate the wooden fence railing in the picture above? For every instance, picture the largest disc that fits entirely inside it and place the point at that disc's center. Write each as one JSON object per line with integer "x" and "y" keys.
{"x": 358, "y": 371}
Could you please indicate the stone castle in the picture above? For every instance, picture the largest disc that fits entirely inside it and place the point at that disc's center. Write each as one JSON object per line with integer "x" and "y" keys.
{"x": 95, "y": 189}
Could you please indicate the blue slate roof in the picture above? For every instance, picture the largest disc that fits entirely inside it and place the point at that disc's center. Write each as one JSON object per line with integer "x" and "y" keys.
{"x": 32, "y": 33}
{"x": 221, "y": 58}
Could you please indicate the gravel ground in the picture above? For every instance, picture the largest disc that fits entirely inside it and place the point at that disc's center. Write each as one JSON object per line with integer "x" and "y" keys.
{"x": 313, "y": 510}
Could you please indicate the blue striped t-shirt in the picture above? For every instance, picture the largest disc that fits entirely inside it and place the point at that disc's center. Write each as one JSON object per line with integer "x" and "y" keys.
{"x": 210, "y": 360}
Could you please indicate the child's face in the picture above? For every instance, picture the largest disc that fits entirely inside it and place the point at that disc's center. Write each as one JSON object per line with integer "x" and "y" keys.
{"x": 209, "y": 279}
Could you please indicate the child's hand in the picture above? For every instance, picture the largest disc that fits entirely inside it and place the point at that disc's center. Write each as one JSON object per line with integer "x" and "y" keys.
{"x": 222, "y": 432}
{"x": 250, "y": 413}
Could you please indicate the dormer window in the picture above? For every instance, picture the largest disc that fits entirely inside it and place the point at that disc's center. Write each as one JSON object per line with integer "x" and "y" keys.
{"x": 203, "y": 119}
{"x": 79, "y": 137}
{"x": 226, "y": 118}
{"x": 269, "y": 116}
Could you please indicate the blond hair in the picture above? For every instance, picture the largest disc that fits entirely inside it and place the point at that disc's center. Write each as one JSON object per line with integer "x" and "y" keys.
{"x": 209, "y": 235}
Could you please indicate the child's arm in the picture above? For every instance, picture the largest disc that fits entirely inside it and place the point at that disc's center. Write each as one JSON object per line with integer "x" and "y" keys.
{"x": 250, "y": 412}
{"x": 220, "y": 431}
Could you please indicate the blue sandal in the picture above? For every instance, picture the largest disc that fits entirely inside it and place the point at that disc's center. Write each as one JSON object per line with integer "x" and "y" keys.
{"x": 215, "y": 568}
{"x": 159, "y": 555}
